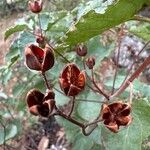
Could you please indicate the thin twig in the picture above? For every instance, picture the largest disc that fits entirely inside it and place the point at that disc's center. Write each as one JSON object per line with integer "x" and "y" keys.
{"x": 141, "y": 68}
{"x": 60, "y": 113}
{"x": 84, "y": 66}
{"x": 72, "y": 106}
{"x": 40, "y": 25}
{"x": 134, "y": 62}
{"x": 87, "y": 100}
{"x": 4, "y": 138}
{"x": 117, "y": 61}
{"x": 96, "y": 86}
{"x": 55, "y": 50}
{"x": 46, "y": 81}
{"x": 90, "y": 131}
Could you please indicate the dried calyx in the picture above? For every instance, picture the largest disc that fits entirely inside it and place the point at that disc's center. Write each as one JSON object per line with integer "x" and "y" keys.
{"x": 40, "y": 104}
{"x": 39, "y": 59}
{"x": 35, "y": 6}
{"x": 72, "y": 80}
{"x": 115, "y": 115}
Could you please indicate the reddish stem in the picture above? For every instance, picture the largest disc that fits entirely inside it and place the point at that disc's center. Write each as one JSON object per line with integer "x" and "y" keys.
{"x": 132, "y": 77}
{"x": 96, "y": 86}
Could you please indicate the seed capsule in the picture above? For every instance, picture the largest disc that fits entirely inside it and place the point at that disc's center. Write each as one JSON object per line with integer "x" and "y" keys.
{"x": 115, "y": 115}
{"x": 72, "y": 80}
{"x": 40, "y": 104}
{"x": 39, "y": 59}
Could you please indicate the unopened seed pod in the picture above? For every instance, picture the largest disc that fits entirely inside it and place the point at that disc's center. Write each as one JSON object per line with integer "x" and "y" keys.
{"x": 35, "y": 6}
{"x": 90, "y": 62}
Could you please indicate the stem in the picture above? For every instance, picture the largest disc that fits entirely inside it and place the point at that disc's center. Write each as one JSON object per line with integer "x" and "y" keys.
{"x": 117, "y": 61}
{"x": 46, "y": 81}
{"x": 4, "y": 143}
{"x": 96, "y": 86}
{"x": 58, "y": 53}
{"x": 134, "y": 62}
{"x": 132, "y": 77}
{"x": 141, "y": 18}
{"x": 94, "y": 122}
{"x": 40, "y": 26}
{"x": 87, "y": 100}
{"x": 90, "y": 131}
{"x": 60, "y": 113}
{"x": 72, "y": 106}
{"x": 84, "y": 66}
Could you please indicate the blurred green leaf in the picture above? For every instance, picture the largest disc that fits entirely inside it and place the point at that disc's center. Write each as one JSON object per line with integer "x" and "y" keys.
{"x": 88, "y": 110}
{"x": 14, "y": 29}
{"x": 9, "y": 132}
{"x": 92, "y": 23}
{"x": 142, "y": 31}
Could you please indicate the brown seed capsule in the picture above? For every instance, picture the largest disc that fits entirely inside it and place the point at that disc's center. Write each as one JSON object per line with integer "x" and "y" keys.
{"x": 39, "y": 59}
{"x": 90, "y": 62}
{"x": 35, "y": 6}
{"x": 81, "y": 50}
{"x": 115, "y": 115}
{"x": 72, "y": 80}
{"x": 40, "y": 104}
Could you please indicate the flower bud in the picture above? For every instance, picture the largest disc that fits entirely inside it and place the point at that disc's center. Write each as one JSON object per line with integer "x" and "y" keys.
{"x": 39, "y": 59}
{"x": 81, "y": 50}
{"x": 35, "y": 6}
{"x": 90, "y": 62}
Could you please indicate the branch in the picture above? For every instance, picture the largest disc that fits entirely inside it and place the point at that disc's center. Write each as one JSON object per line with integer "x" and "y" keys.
{"x": 132, "y": 77}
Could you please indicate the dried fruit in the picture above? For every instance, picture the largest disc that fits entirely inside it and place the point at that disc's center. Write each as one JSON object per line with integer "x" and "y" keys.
{"x": 39, "y": 59}
{"x": 35, "y": 6}
{"x": 115, "y": 115}
{"x": 72, "y": 80}
{"x": 40, "y": 104}
{"x": 81, "y": 50}
{"x": 90, "y": 62}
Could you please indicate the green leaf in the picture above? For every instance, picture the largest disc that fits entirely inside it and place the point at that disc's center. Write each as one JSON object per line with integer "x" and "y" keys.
{"x": 88, "y": 110}
{"x": 93, "y": 23}
{"x": 142, "y": 31}
{"x": 131, "y": 137}
{"x": 10, "y": 132}
{"x": 14, "y": 29}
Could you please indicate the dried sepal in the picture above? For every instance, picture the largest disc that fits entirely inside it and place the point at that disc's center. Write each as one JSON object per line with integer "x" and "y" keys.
{"x": 39, "y": 59}
{"x": 40, "y": 104}
{"x": 48, "y": 60}
{"x": 115, "y": 115}
{"x": 72, "y": 80}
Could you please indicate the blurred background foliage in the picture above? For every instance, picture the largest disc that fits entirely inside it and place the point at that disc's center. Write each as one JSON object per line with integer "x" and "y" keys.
{"x": 56, "y": 19}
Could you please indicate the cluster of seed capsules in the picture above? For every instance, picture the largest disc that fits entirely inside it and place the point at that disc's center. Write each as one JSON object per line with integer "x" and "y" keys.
{"x": 72, "y": 81}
